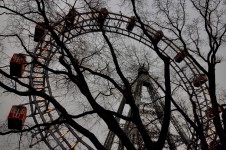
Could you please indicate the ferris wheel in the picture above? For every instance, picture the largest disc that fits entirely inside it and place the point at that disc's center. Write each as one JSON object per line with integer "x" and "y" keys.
{"x": 75, "y": 25}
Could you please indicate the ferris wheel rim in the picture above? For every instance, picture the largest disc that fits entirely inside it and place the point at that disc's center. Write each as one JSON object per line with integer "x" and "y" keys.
{"x": 165, "y": 39}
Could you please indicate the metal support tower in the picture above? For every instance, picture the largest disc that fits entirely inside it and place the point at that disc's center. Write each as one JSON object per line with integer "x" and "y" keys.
{"x": 147, "y": 111}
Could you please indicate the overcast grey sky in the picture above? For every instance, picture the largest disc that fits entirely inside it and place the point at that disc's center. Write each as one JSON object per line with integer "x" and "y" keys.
{"x": 7, "y": 101}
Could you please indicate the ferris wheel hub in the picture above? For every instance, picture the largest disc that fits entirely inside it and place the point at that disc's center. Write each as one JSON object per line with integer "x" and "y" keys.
{"x": 143, "y": 70}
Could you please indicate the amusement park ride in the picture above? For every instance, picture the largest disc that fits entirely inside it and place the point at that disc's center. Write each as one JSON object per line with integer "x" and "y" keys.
{"x": 65, "y": 137}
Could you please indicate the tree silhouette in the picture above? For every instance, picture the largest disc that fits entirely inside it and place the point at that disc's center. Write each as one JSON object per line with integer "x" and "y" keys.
{"x": 84, "y": 65}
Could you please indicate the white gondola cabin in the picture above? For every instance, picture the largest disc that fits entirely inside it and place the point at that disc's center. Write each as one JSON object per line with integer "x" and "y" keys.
{"x": 16, "y": 117}
{"x": 199, "y": 80}
{"x": 39, "y": 32}
{"x": 17, "y": 64}
{"x": 131, "y": 23}
{"x": 180, "y": 56}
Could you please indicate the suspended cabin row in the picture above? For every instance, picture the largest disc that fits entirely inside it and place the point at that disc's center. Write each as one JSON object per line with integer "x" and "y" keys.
{"x": 17, "y": 117}
{"x": 199, "y": 80}
{"x": 132, "y": 22}
{"x": 39, "y": 34}
{"x": 70, "y": 17}
{"x": 130, "y": 25}
{"x": 40, "y": 28}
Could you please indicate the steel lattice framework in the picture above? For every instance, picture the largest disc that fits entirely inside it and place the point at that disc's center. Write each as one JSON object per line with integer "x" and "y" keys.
{"x": 155, "y": 109}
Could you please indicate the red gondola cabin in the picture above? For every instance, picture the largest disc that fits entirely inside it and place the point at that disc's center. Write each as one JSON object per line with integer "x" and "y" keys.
{"x": 131, "y": 23}
{"x": 158, "y": 36}
{"x": 17, "y": 65}
{"x": 102, "y": 16}
{"x": 16, "y": 117}
{"x": 70, "y": 17}
{"x": 180, "y": 56}
{"x": 201, "y": 79}
{"x": 210, "y": 112}
{"x": 39, "y": 32}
